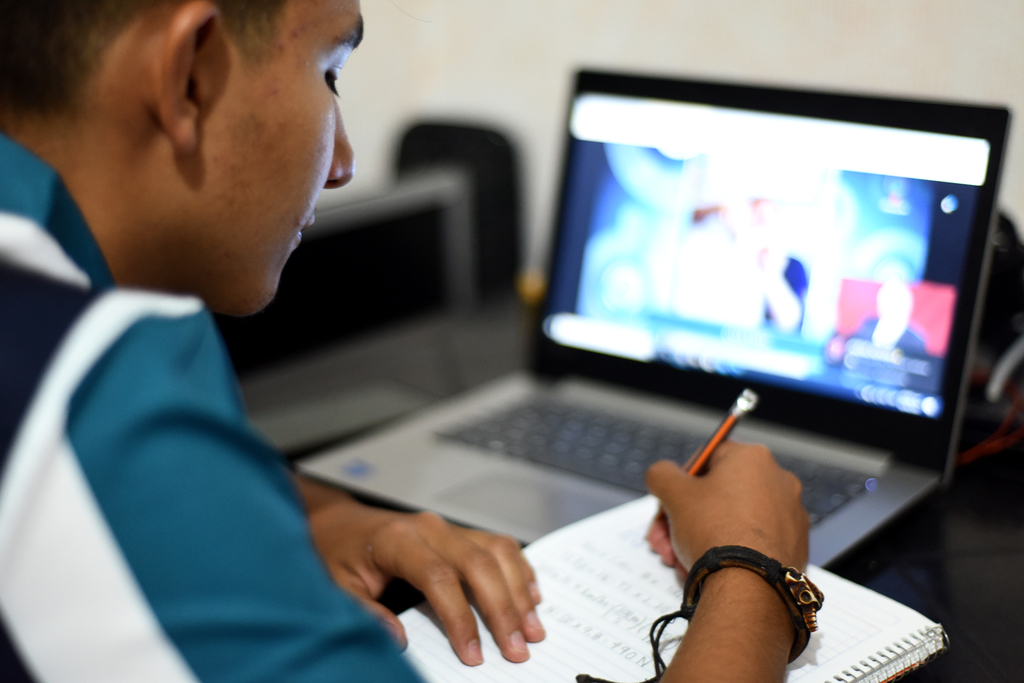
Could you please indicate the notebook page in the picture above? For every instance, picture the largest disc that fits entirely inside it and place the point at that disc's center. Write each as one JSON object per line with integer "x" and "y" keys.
{"x": 854, "y": 624}
{"x": 603, "y": 588}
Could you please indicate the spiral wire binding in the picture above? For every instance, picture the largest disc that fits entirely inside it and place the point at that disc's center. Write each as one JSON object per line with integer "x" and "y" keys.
{"x": 898, "y": 659}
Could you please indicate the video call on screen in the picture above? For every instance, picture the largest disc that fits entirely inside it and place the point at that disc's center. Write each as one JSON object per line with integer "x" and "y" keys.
{"x": 742, "y": 260}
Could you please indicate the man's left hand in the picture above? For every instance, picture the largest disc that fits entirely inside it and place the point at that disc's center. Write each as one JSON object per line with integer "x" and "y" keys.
{"x": 365, "y": 547}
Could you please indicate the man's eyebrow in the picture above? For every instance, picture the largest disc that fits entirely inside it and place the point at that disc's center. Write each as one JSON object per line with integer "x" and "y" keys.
{"x": 352, "y": 39}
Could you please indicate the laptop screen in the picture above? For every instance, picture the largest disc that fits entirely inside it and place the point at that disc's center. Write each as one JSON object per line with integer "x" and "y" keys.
{"x": 814, "y": 254}
{"x": 793, "y": 250}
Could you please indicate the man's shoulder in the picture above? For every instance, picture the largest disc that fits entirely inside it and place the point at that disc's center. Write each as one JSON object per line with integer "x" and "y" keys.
{"x": 162, "y": 354}
{"x": 55, "y": 328}
{"x": 61, "y": 338}
{"x": 56, "y": 336}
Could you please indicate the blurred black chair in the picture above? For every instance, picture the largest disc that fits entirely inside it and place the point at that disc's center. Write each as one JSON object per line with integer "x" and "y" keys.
{"x": 493, "y": 167}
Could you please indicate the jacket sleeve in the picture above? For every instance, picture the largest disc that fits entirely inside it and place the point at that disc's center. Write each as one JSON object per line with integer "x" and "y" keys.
{"x": 208, "y": 520}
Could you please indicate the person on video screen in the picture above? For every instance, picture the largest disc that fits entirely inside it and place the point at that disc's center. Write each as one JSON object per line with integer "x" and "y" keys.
{"x": 735, "y": 270}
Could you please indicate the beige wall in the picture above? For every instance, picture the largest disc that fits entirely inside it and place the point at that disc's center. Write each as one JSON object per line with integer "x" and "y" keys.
{"x": 510, "y": 62}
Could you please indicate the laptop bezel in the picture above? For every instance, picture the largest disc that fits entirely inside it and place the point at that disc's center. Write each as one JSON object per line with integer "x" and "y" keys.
{"x": 911, "y": 439}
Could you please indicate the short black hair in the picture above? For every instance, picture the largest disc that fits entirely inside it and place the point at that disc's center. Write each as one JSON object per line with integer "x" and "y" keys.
{"x": 48, "y": 48}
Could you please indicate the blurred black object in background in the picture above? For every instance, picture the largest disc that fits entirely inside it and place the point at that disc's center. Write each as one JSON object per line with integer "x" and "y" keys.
{"x": 1002, "y": 324}
{"x": 1004, "y": 300}
{"x": 493, "y": 166}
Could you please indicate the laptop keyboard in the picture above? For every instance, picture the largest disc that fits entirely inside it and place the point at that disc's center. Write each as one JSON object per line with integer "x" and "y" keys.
{"x": 618, "y": 450}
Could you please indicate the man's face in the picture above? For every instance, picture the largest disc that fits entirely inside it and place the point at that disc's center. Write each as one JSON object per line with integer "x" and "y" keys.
{"x": 275, "y": 140}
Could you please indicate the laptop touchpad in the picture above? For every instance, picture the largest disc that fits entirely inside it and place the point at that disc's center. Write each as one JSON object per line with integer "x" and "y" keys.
{"x": 543, "y": 503}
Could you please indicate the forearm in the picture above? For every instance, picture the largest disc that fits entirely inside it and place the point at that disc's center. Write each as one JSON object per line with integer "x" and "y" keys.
{"x": 740, "y": 632}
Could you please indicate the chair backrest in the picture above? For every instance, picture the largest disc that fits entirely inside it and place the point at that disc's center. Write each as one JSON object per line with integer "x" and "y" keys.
{"x": 492, "y": 164}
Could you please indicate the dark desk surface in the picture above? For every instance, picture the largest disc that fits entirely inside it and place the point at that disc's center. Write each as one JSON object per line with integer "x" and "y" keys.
{"x": 958, "y": 557}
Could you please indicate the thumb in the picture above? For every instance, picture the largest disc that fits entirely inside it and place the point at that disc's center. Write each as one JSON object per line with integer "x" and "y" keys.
{"x": 659, "y": 538}
{"x": 667, "y": 481}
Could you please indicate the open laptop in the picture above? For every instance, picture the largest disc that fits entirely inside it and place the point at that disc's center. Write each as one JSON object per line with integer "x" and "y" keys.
{"x": 828, "y": 251}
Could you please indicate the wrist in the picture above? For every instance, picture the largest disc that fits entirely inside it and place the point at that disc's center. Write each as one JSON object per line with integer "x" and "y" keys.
{"x": 738, "y": 611}
{"x": 316, "y": 496}
{"x": 749, "y": 600}
{"x": 798, "y": 594}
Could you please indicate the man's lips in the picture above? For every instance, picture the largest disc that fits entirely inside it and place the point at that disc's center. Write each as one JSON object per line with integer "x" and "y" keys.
{"x": 298, "y": 235}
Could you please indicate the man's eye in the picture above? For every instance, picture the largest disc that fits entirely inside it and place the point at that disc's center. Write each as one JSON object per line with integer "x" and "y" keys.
{"x": 332, "y": 81}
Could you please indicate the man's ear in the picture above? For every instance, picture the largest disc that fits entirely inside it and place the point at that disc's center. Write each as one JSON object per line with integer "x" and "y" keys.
{"x": 189, "y": 72}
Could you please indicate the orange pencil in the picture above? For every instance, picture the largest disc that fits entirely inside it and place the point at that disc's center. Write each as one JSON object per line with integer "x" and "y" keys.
{"x": 745, "y": 403}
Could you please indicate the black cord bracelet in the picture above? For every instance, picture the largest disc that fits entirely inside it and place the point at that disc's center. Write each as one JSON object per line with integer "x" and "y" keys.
{"x": 801, "y": 596}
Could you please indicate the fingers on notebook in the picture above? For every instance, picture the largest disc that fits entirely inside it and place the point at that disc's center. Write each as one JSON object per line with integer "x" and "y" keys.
{"x": 492, "y": 568}
{"x": 518, "y": 576}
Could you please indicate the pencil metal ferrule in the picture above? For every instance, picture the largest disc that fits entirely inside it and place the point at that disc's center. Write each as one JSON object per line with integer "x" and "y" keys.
{"x": 745, "y": 403}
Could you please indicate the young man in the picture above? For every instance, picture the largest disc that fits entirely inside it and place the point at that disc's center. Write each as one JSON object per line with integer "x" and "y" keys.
{"x": 159, "y": 157}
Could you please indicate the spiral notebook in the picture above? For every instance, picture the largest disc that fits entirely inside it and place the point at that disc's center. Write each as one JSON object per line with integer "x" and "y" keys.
{"x": 602, "y": 588}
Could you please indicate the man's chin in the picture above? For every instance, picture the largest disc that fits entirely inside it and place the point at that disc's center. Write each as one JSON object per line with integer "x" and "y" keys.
{"x": 241, "y": 304}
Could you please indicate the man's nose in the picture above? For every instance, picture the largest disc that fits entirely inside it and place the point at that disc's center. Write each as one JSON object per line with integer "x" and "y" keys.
{"x": 343, "y": 162}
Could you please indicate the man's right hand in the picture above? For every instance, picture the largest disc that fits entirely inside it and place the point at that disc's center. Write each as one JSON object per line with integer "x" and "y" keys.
{"x": 744, "y": 499}
{"x": 742, "y": 631}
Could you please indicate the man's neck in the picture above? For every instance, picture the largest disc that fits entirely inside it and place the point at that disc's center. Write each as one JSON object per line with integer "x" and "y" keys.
{"x": 45, "y": 135}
